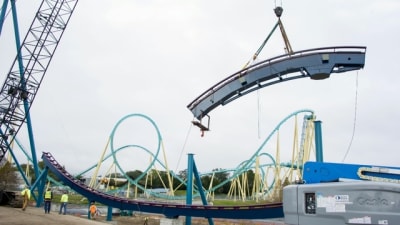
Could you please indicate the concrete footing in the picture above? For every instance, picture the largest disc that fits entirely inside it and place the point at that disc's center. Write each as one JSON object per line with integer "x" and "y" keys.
{"x": 167, "y": 221}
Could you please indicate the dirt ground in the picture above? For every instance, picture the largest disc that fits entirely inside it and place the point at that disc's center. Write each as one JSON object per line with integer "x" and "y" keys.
{"x": 36, "y": 216}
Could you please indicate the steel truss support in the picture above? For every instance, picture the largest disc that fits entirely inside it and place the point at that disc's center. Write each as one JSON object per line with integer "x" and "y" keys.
{"x": 33, "y": 57}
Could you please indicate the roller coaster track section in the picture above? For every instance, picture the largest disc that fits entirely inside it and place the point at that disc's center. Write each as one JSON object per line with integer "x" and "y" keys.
{"x": 316, "y": 64}
{"x": 249, "y": 164}
{"x": 169, "y": 210}
{"x": 30, "y": 65}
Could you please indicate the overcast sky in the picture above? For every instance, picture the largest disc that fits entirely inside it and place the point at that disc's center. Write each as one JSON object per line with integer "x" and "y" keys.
{"x": 150, "y": 57}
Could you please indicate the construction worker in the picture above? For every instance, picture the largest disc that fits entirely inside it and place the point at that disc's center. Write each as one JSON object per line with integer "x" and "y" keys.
{"x": 146, "y": 220}
{"x": 93, "y": 211}
{"x": 26, "y": 195}
{"x": 48, "y": 197}
{"x": 64, "y": 202}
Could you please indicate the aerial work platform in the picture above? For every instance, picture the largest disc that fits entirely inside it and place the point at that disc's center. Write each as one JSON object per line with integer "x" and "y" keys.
{"x": 336, "y": 203}
{"x": 318, "y": 63}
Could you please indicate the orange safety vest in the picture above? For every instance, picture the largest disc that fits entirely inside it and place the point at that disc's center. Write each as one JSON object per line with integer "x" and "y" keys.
{"x": 93, "y": 208}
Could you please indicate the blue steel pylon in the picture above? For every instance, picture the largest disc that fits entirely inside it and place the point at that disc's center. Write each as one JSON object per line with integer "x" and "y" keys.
{"x": 192, "y": 171}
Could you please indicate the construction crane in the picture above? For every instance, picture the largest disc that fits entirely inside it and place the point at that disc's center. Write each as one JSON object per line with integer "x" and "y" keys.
{"x": 33, "y": 57}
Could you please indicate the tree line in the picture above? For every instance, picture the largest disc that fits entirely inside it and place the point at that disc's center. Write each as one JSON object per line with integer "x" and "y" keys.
{"x": 152, "y": 180}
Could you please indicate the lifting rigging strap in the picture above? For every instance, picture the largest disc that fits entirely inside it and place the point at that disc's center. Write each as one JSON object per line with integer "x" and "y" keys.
{"x": 278, "y": 12}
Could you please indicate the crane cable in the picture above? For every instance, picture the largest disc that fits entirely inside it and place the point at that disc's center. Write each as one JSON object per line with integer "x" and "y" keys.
{"x": 354, "y": 121}
{"x": 183, "y": 147}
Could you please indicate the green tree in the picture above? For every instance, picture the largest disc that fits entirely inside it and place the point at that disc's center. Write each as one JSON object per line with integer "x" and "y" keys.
{"x": 183, "y": 174}
{"x": 206, "y": 181}
{"x": 8, "y": 177}
{"x": 221, "y": 176}
{"x": 160, "y": 179}
{"x": 41, "y": 167}
{"x": 250, "y": 180}
{"x": 135, "y": 174}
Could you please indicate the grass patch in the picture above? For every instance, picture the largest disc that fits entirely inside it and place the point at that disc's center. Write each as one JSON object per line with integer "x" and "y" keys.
{"x": 72, "y": 199}
{"x": 230, "y": 202}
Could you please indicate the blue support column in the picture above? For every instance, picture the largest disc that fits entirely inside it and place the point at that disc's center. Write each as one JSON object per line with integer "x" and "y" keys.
{"x": 3, "y": 14}
{"x": 40, "y": 183}
{"x": 109, "y": 213}
{"x": 192, "y": 171}
{"x": 200, "y": 187}
{"x": 199, "y": 184}
{"x": 23, "y": 89}
{"x": 88, "y": 212}
{"x": 318, "y": 141}
{"x": 189, "y": 188}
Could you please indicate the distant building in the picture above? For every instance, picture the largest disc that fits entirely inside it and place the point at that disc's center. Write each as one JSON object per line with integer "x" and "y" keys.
{"x": 155, "y": 191}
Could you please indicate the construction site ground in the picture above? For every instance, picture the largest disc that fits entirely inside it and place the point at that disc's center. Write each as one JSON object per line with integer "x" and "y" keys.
{"x": 36, "y": 216}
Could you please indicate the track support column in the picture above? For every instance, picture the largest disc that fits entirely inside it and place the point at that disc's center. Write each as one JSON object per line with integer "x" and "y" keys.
{"x": 189, "y": 188}
{"x": 318, "y": 142}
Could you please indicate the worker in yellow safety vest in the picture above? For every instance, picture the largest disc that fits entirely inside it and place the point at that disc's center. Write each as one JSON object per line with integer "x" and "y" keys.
{"x": 48, "y": 196}
{"x": 64, "y": 202}
{"x": 26, "y": 195}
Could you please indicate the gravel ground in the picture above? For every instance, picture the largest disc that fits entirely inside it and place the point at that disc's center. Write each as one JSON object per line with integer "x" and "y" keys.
{"x": 36, "y": 216}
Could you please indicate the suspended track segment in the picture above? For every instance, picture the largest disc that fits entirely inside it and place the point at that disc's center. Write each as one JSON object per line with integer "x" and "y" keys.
{"x": 30, "y": 65}
{"x": 318, "y": 63}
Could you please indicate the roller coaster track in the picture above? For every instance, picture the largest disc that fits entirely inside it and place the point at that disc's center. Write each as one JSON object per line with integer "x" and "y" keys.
{"x": 170, "y": 210}
{"x": 316, "y": 63}
{"x": 242, "y": 168}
